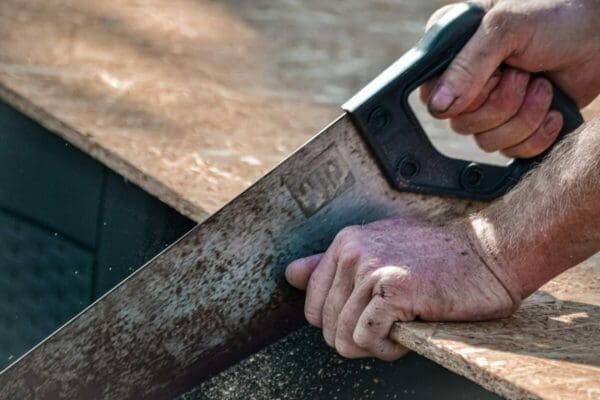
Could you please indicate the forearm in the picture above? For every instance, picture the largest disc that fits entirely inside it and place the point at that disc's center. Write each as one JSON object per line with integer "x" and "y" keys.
{"x": 551, "y": 220}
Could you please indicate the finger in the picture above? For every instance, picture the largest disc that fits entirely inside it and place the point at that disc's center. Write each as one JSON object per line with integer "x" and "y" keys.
{"x": 298, "y": 272}
{"x": 541, "y": 140}
{"x": 502, "y": 104}
{"x": 322, "y": 277}
{"x": 527, "y": 120}
{"x": 483, "y": 96}
{"x": 468, "y": 73}
{"x": 351, "y": 312}
{"x": 348, "y": 259}
{"x": 318, "y": 288}
{"x": 426, "y": 89}
{"x": 373, "y": 329}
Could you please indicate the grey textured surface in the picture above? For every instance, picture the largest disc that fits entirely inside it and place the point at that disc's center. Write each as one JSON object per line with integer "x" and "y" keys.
{"x": 70, "y": 229}
{"x": 44, "y": 280}
{"x": 302, "y": 366}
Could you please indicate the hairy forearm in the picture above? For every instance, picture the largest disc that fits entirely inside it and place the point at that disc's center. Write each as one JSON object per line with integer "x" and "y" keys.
{"x": 551, "y": 221}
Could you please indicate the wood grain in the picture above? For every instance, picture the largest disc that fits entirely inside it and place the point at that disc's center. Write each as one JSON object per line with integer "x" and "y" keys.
{"x": 194, "y": 100}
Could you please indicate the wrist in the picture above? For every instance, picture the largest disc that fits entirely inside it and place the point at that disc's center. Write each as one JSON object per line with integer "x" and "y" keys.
{"x": 549, "y": 222}
{"x": 523, "y": 260}
{"x": 483, "y": 237}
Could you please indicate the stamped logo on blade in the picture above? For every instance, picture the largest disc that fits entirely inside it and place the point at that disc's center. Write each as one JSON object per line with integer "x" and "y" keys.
{"x": 328, "y": 175}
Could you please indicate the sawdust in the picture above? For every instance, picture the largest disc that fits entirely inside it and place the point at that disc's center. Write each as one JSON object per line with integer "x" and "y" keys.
{"x": 302, "y": 366}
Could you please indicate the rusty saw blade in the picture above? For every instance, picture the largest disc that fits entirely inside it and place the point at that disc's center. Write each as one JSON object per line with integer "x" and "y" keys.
{"x": 218, "y": 294}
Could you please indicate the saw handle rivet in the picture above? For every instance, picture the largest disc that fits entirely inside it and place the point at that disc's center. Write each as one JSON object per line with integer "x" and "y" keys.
{"x": 472, "y": 176}
{"x": 379, "y": 118}
{"x": 408, "y": 167}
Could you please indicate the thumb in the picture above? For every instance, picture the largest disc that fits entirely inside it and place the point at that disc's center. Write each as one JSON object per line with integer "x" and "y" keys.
{"x": 299, "y": 272}
{"x": 474, "y": 65}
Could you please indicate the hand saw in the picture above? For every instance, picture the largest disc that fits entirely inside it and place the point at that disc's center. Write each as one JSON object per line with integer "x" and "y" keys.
{"x": 218, "y": 293}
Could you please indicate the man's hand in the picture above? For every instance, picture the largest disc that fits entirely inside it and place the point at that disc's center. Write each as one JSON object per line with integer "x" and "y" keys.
{"x": 481, "y": 267}
{"x": 397, "y": 270}
{"x": 474, "y": 269}
{"x": 505, "y": 107}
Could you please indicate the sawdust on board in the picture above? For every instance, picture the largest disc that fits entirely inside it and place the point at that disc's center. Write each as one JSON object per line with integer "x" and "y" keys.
{"x": 302, "y": 366}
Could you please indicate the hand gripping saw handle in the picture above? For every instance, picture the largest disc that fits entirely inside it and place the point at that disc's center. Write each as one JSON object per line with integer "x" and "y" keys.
{"x": 408, "y": 159}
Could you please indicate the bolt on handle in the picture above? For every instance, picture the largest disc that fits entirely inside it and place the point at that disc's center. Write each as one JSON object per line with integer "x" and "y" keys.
{"x": 409, "y": 161}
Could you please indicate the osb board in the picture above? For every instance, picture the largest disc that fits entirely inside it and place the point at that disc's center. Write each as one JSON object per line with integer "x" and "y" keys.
{"x": 550, "y": 349}
{"x": 194, "y": 100}
{"x": 172, "y": 97}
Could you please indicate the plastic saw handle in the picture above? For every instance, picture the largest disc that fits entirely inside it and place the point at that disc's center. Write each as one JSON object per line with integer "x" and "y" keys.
{"x": 410, "y": 162}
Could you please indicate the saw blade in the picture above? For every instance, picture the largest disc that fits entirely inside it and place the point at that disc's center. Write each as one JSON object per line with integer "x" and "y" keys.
{"x": 218, "y": 294}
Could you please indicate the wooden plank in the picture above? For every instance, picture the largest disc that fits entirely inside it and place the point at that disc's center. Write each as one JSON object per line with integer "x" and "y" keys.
{"x": 195, "y": 100}
{"x": 548, "y": 350}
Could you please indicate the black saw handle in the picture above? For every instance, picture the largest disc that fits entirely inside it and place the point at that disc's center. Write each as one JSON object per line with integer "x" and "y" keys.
{"x": 410, "y": 162}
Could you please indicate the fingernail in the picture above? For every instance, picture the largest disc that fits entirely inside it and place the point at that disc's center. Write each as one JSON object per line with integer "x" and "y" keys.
{"x": 442, "y": 99}
{"x": 550, "y": 125}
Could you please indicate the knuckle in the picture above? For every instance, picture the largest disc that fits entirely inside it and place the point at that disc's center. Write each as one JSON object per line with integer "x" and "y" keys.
{"x": 350, "y": 255}
{"x": 498, "y": 20}
{"x": 347, "y": 234}
{"x": 506, "y": 27}
{"x": 392, "y": 281}
{"x": 390, "y": 292}
{"x": 383, "y": 288}
{"x": 463, "y": 70}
